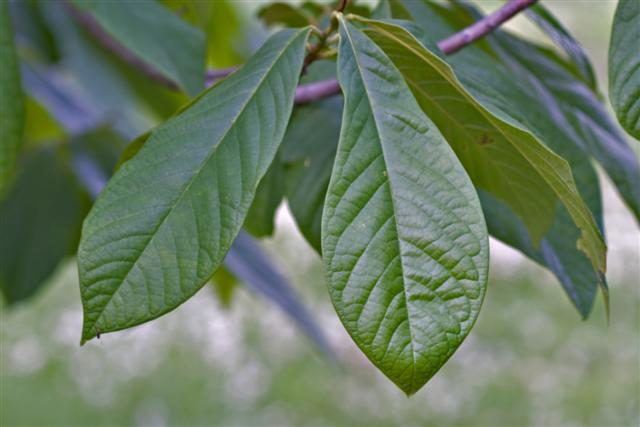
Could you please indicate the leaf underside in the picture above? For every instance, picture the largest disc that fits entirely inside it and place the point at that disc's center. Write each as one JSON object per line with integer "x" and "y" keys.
{"x": 403, "y": 237}
{"x": 167, "y": 218}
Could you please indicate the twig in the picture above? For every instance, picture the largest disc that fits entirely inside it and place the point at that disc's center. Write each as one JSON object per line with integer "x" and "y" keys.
{"x": 325, "y": 88}
{"x": 484, "y": 26}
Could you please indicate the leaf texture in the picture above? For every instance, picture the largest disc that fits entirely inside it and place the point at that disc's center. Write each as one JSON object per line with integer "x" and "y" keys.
{"x": 403, "y": 237}
{"x": 442, "y": 96}
{"x": 167, "y": 218}
{"x": 624, "y": 66}
{"x": 11, "y": 100}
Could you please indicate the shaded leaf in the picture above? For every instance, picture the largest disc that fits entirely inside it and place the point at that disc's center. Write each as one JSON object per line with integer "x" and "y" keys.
{"x": 40, "y": 221}
{"x": 309, "y": 156}
{"x": 624, "y": 66}
{"x": 261, "y": 216}
{"x": 168, "y": 216}
{"x": 11, "y": 100}
{"x": 180, "y": 56}
{"x": 404, "y": 241}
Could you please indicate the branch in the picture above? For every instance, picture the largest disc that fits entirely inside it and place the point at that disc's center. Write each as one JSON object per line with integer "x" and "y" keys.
{"x": 313, "y": 91}
{"x": 484, "y": 26}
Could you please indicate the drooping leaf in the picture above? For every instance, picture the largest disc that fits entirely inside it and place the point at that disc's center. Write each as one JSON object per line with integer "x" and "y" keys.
{"x": 624, "y": 66}
{"x": 261, "y": 216}
{"x": 514, "y": 89}
{"x": 40, "y": 220}
{"x": 491, "y": 137}
{"x": 559, "y": 34}
{"x": 94, "y": 81}
{"x": 403, "y": 238}
{"x": 249, "y": 264}
{"x": 11, "y": 100}
{"x": 154, "y": 34}
{"x": 578, "y": 112}
{"x": 167, "y": 218}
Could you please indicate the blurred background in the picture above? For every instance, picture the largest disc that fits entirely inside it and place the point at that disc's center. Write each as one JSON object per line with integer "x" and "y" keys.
{"x": 530, "y": 359}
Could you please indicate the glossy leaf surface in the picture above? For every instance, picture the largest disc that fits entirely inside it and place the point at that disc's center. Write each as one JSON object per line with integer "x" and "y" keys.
{"x": 167, "y": 218}
{"x": 624, "y": 65}
{"x": 403, "y": 236}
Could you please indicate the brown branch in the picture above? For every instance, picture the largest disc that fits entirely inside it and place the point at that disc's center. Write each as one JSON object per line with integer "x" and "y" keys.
{"x": 484, "y": 26}
{"x": 322, "y": 89}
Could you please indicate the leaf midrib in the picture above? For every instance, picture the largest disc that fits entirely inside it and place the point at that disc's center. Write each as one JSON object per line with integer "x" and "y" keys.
{"x": 187, "y": 186}
{"x": 395, "y": 221}
{"x": 597, "y": 263}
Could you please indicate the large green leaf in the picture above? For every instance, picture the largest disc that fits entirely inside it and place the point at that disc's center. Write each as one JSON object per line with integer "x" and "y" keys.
{"x": 40, "y": 221}
{"x": 484, "y": 135}
{"x": 167, "y": 218}
{"x": 404, "y": 240}
{"x": 624, "y": 65}
{"x": 534, "y": 98}
{"x": 162, "y": 40}
{"x": 11, "y": 100}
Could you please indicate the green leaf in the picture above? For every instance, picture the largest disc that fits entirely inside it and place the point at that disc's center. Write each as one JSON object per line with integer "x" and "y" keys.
{"x": 309, "y": 158}
{"x": 556, "y": 31}
{"x": 40, "y": 221}
{"x": 11, "y": 100}
{"x": 565, "y": 114}
{"x": 167, "y": 218}
{"x": 285, "y": 14}
{"x": 404, "y": 240}
{"x": 624, "y": 66}
{"x": 496, "y": 149}
{"x": 261, "y": 216}
{"x": 153, "y": 33}
{"x": 577, "y": 112}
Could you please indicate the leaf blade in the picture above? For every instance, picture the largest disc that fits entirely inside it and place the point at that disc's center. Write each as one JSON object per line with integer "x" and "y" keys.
{"x": 138, "y": 27}
{"x": 208, "y": 159}
{"x": 624, "y": 66}
{"x": 552, "y": 170}
{"x": 393, "y": 289}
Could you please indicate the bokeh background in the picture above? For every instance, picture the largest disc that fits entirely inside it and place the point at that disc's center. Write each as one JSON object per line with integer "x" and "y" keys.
{"x": 530, "y": 360}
